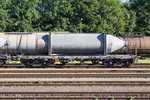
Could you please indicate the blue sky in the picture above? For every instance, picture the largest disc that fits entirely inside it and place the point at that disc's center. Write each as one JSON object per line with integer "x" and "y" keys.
{"x": 123, "y": 1}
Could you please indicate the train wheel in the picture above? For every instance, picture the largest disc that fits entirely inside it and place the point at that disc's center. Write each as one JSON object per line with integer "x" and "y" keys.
{"x": 110, "y": 63}
{"x": 127, "y": 63}
{"x": 1, "y": 63}
{"x": 63, "y": 63}
{"x": 103, "y": 63}
{"x": 95, "y": 62}
{"x": 44, "y": 64}
{"x": 51, "y": 62}
{"x": 27, "y": 64}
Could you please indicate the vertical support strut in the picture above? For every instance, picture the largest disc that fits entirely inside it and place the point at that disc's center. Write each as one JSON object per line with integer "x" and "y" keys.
{"x": 50, "y": 44}
{"x": 105, "y": 44}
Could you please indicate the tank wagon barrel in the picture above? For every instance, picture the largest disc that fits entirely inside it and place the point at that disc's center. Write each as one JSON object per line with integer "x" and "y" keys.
{"x": 63, "y": 44}
{"x": 46, "y": 47}
{"x": 137, "y": 44}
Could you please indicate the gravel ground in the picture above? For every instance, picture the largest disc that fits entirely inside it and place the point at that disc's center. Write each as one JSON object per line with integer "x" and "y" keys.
{"x": 75, "y": 89}
{"x": 84, "y": 88}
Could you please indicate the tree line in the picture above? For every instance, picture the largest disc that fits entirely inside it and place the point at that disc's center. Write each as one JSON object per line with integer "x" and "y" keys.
{"x": 94, "y": 16}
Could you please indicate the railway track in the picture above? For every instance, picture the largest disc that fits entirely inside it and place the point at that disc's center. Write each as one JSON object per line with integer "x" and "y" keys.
{"x": 72, "y": 77}
{"x": 75, "y": 66}
{"x": 75, "y": 75}
{"x": 75, "y": 84}
{"x": 75, "y": 70}
{"x": 76, "y": 95}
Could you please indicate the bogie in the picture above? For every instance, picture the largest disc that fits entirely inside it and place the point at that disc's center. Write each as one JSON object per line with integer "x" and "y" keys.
{"x": 2, "y": 62}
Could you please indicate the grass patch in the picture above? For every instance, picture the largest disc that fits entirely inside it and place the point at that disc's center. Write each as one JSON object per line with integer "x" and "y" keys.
{"x": 142, "y": 61}
{"x": 12, "y": 62}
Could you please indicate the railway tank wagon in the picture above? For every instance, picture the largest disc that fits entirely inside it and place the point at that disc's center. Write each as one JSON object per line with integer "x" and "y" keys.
{"x": 137, "y": 45}
{"x": 46, "y": 48}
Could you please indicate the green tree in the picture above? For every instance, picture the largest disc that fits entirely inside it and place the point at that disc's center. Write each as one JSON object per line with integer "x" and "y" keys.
{"x": 54, "y": 15}
{"x": 111, "y": 17}
{"x": 130, "y": 18}
{"x": 66, "y": 15}
{"x": 84, "y": 13}
{"x": 3, "y": 16}
{"x": 142, "y": 9}
{"x": 23, "y": 15}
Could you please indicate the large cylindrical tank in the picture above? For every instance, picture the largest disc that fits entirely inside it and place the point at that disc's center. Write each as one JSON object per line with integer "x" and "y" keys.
{"x": 60, "y": 44}
{"x": 23, "y": 43}
{"x": 84, "y": 44}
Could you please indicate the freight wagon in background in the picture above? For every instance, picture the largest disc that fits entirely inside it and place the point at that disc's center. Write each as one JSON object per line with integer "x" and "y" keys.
{"x": 47, "y": 47}
{"x": 136, "y": 45}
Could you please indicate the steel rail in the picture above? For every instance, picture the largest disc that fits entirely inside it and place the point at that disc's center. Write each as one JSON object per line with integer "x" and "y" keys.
{"x": 74, "y": 70}
{"x": 76, "y": 83}
{"x": 75, "y": 75}
{"x": 76, "y": 95}
{"x": 77, "y": 66}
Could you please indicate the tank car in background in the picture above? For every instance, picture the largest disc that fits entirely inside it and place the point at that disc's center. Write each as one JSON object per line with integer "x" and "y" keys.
{"x": 47, "y": 48}
{"x": 138, "y": 45}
